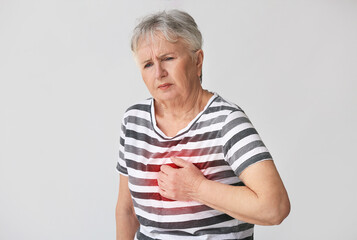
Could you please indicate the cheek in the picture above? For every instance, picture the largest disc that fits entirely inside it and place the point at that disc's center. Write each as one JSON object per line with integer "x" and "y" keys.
{"x": 147, "y": 79}
{"x": 182, "y": 75}
{"x": 188, "y": 70}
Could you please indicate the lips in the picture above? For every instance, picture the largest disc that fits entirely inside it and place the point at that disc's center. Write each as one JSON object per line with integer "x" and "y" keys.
{"x": 164, "y": 86}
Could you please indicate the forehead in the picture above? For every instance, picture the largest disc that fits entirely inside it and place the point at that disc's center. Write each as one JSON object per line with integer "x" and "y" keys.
{"x": 158, "y": 45}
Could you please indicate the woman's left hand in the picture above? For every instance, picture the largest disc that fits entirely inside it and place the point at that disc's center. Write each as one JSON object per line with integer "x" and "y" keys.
{"x": 179, "y": 183}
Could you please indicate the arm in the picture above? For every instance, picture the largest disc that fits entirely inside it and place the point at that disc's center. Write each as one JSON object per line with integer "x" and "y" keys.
{"x": 126, "y": 221}
{"x": 262, "y": 201}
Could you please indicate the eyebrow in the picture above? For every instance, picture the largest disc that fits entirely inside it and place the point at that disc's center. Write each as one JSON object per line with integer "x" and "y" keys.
{"x": 161, "y": 56}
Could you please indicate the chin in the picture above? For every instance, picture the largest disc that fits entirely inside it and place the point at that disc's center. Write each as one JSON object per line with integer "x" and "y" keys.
{"x": 166, "y": 96}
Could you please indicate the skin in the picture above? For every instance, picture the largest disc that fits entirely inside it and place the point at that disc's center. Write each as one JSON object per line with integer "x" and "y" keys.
{"x": 171, "y": 73}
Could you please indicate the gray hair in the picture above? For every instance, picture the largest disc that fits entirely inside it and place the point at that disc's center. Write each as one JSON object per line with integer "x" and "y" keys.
{"x": 173, "y": 24}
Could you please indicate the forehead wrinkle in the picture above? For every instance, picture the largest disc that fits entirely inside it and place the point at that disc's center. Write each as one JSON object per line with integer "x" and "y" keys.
{"x": 159, "y": 57}
{"x": 155, "y": 50}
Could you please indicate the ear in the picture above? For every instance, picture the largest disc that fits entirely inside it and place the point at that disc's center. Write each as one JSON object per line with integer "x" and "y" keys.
{"x": 199, "y": 61}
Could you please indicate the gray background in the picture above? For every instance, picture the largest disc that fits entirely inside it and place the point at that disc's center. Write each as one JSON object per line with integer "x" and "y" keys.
{"x": 67, "y": 75}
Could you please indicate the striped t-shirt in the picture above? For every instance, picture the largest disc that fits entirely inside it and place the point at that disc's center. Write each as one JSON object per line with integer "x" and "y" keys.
{"x": 220, "y": 141}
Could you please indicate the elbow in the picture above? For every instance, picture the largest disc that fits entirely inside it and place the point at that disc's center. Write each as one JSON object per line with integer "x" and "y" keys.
{"x": 277, "y": 212}
{"x": 280, "y": 215}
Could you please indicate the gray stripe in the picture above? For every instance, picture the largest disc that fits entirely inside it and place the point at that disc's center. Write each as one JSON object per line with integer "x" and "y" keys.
{"x": 199, "y": 125}
{"x": 220, "y": 108}
{"x": 121, "y": 155}
{"x": 233, "y": 123}
{"x": 122, "y": 142}
{"x": 182, "y": 153}
{"x": 139, "y": 121}
{"x": 221, "y": 175}
{"x": 140, "y": 107}
{"x": 254, "y": 159}
{"x": 243, "y": 150}
{"x": 150, "y": 140}
{"x": 170, "y": 143}
{"x": 206, "y": 231}
{"x": 238, "y": 137}
{"x": 204, "y": 222}
{"x": 123, "y": 128}
{"x": 137, "y": 151}
{"x": 172, "y": 211}
{"x": 122, "y": 169}
{"x": 141, "y": 236}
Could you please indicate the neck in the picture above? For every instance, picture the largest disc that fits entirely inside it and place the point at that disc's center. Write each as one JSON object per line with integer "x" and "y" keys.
{"x": 181, "y": 110}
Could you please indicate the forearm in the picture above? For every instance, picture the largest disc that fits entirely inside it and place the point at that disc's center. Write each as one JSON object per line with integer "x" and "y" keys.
{"x": 240, "y": 202}
{"x": 263, "y": 200}
{"x": 126, "y": 225}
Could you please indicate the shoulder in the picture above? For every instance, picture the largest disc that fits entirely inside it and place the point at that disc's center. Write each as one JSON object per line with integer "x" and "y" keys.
{"x": 140, "y": 109}
{"x": 225, "y": 107}
{"x": 143, "y": 105}
{"x": 232, "y": 115}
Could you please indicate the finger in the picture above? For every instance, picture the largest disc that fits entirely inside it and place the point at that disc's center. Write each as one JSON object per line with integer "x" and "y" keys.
{"x": 162, "y": 180}
{"x": 179, "y": 161}
{"x": 161, "y": 175}
{"x": 163, "y": 193}
{"x": 166, "y": 169}
{"x": 161, "y": 184}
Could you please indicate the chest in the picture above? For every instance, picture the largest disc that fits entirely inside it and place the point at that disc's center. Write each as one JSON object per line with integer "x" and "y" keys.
{"x": 146, "y": 152}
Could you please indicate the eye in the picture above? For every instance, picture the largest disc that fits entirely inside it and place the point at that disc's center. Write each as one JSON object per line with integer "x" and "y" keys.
{"x": 148, "y": 65}
{"x": 168, "y": 58}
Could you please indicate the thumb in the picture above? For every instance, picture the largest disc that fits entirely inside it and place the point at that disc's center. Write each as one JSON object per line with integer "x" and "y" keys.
{"x": 178, "y": 161}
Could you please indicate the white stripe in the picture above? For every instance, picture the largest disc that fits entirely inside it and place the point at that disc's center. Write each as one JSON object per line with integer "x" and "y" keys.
{"x": 142, "y": 174}
{"x": 243, "y": 142}
{"x": 165, "y": 204}
{"x": 158, "y": 149}
{"x": 143, "y": 189}
{"x": 237, "y": 129}
{"x": 248, "y": 155}
{"x": 138, "y": 113}
{"x": 177, "y": 218}
{"x": 160, "y": 161}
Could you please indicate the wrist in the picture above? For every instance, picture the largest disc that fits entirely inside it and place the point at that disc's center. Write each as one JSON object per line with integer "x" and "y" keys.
{"x": 200, "y": 190}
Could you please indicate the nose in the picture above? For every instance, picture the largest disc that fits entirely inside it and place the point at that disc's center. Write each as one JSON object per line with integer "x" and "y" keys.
{"x": 160, "y": 71}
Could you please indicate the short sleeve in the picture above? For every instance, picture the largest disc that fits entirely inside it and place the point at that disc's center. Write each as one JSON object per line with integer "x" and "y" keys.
{"x": 121, "y": 164}
{"x": 242, "y": 144}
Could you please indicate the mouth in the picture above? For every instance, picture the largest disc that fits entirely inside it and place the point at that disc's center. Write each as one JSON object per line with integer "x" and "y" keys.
{"x": 164, "y": 86}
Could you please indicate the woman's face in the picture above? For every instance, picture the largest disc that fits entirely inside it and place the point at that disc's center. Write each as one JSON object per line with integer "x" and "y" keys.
{"x": 168, "y": 69}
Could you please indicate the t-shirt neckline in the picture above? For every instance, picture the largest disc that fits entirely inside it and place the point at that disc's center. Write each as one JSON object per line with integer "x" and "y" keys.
{"x": 185, "y": 129}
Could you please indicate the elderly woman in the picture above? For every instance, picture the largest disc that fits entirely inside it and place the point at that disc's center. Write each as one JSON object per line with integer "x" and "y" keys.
{"x": 191, "y": 164}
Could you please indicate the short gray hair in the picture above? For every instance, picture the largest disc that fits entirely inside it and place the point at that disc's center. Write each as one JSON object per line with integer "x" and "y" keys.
{"x": 173, "y": 24}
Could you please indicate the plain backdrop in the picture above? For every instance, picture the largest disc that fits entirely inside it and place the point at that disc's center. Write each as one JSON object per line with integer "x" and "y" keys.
{"x": 67, "y": 75}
